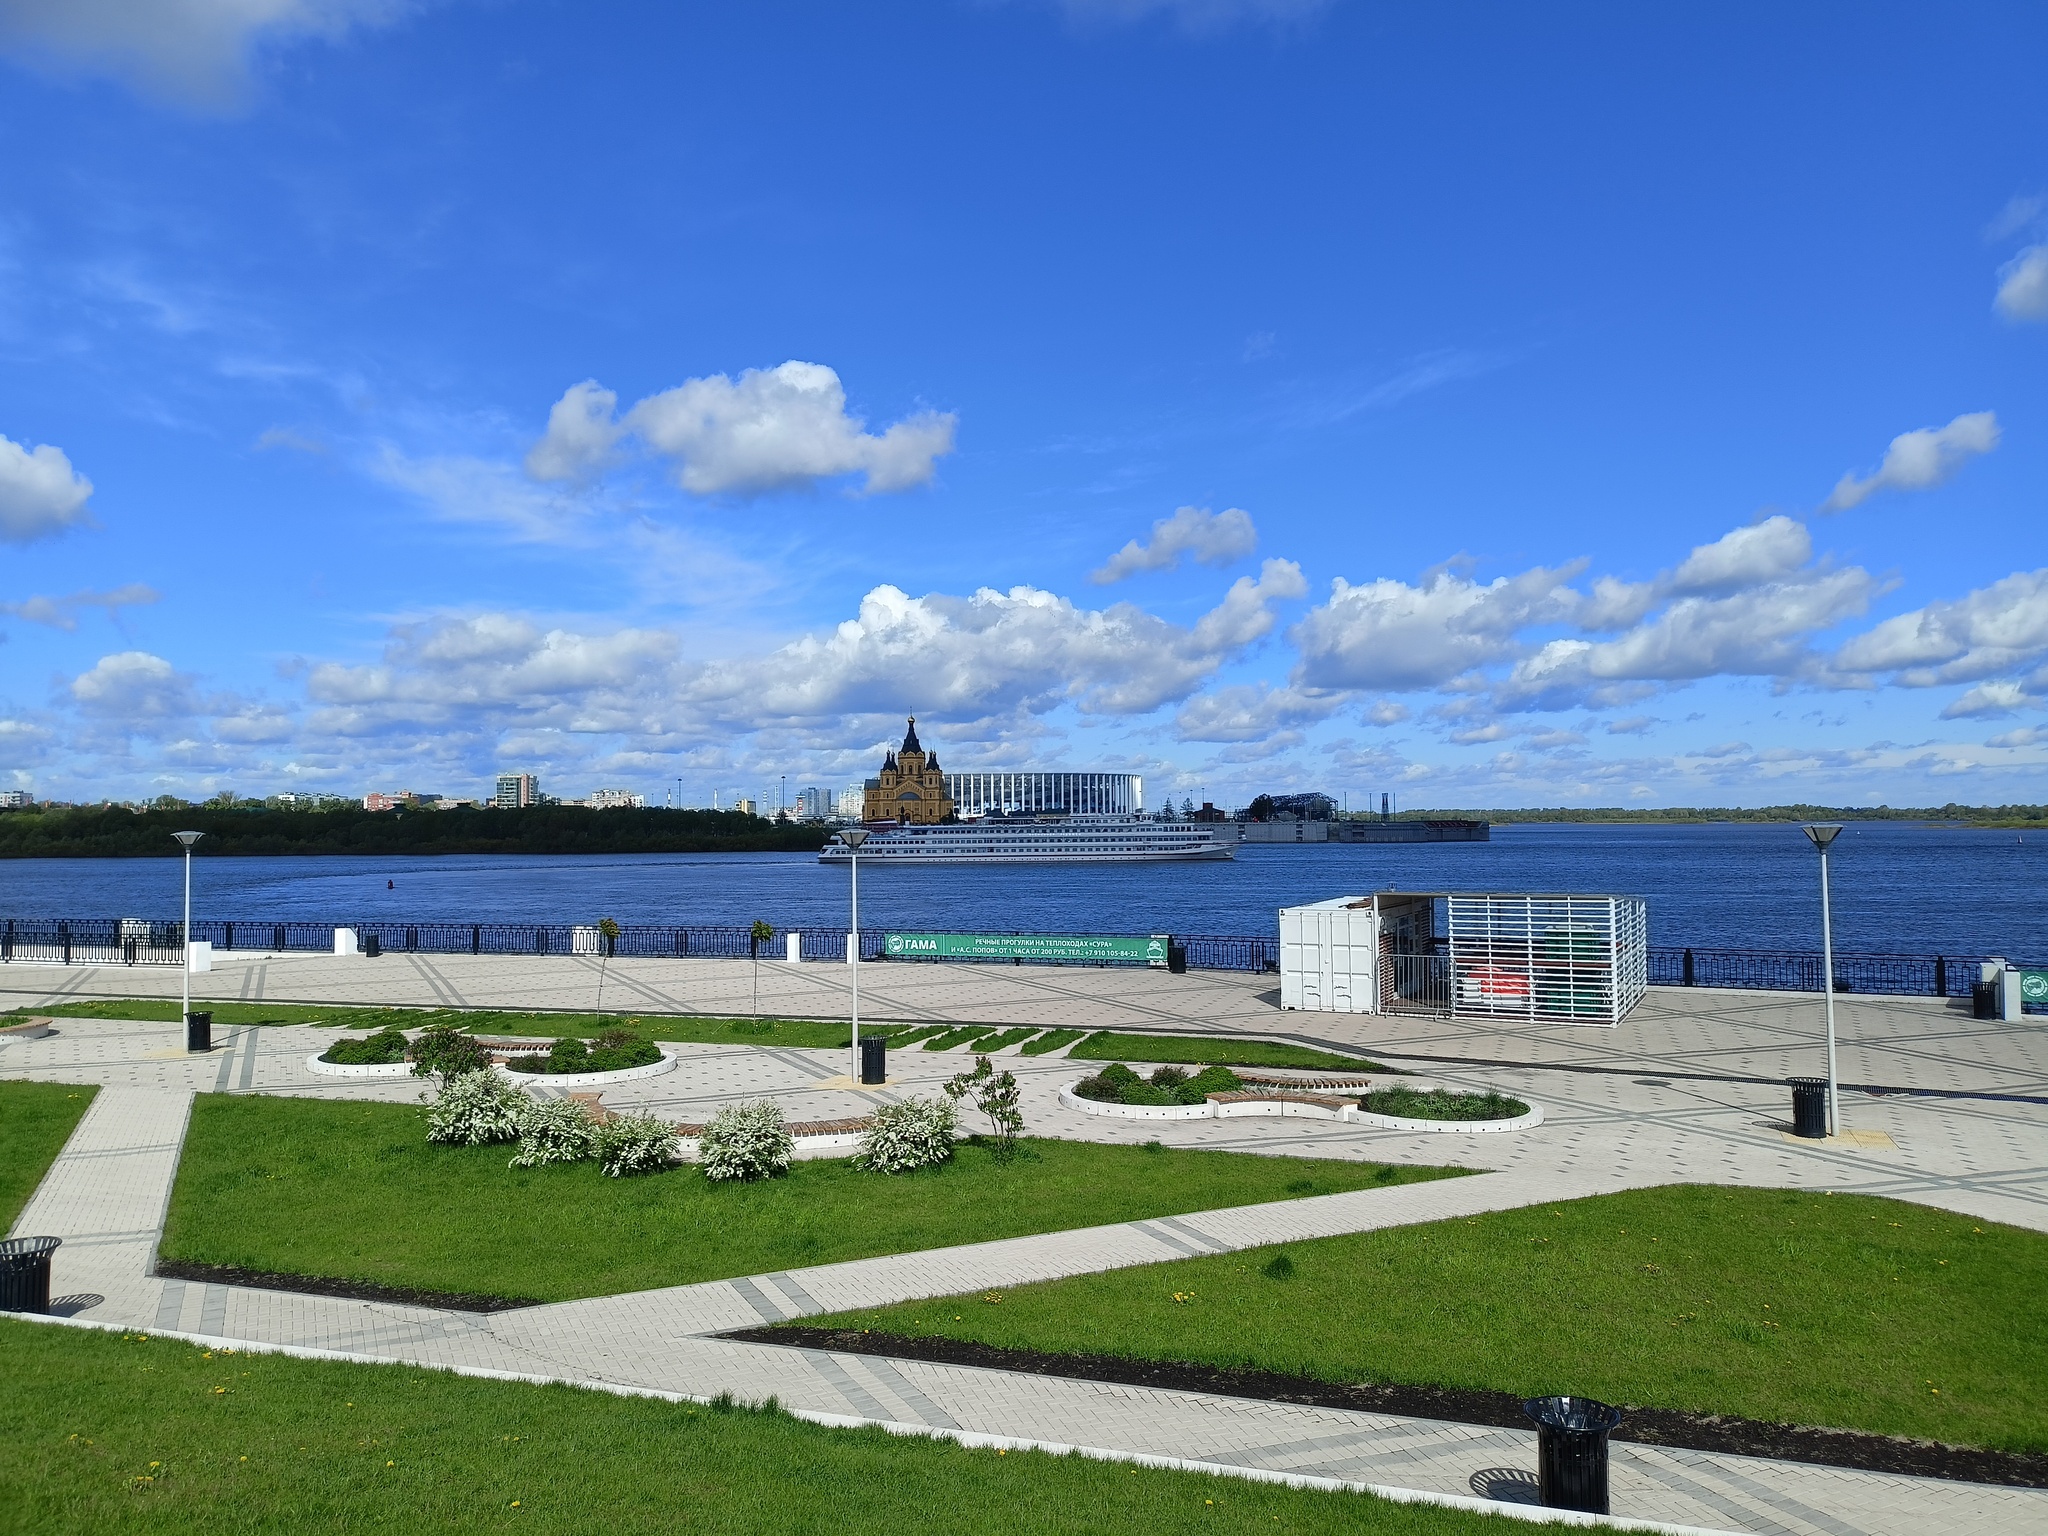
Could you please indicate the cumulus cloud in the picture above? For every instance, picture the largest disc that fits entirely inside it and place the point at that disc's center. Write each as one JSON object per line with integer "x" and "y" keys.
{"x": 1999, "y": 628}
{"x": 2023, "y": 285}
{"x": 62, "y": 612}
{"x": 1988, "y": 701}
{"x": 134, "y": 688}
{"x": 1249, "y": 712}
{"x": 194, "y": 51}
{"x": 1389, "y": 634}
{"x": 770, "y": 429}
{"x": 40, "y": 493}
{"x": 1919, "y": 459}
{"x": 1208, "y": 538}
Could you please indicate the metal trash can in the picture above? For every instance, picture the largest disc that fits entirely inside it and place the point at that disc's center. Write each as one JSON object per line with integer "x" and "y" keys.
{"x": 1571, "y": 1451}
{"x": 1176, "y": 959}
{"x": 874, "y": 1059}
{"x": 25, "y": 1273}
{"x": 1983, "y": 999}
{"x": 1809, "y": 1107}
{"x": 373, "y": 946}
{"x": 199, "y": 1031}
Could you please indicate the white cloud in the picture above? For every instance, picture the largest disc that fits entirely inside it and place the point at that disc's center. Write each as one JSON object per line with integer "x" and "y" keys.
{"x": 1746, "y": 557}
{"x": 580, "y": 436}
{"x": 1249, "y": 712}
{"x": 771, "y": 429}
{"x": 1919, "y": 459}
{"x": 1988, "y": 701}
{"x": 134, "y": 687}
{"x": 1386, "y": 712}
{"x": 2020, "y": 211}
{"x": 2025, "y": 736}
{"x": 1209, "y": 538}
{"x": 1388, "y": 634}
{"x": 2023, "y": 285}
{"x": 195, "y": 51}
{"x": 1999, "y": 628}
{"x": 62, "y": 612}
{"x": 40, "y": 493}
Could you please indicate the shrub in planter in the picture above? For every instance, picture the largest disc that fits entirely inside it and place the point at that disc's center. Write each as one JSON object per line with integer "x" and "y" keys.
{"x": 554, "y": 1131}
{"x": 917, "y": 1133}
{"x": 1107, "y": 1086}
{"x": 381, "y": 1049}
{"x": 614, "y": 1052}
{"x": 1442, "y": 1104}
{"x": 630, "y": 1144}
{"x": 475, "y": 1109}
{"x": 745, "y": 1141}
{"x": 1118, "y": 1084}
{"x": 447, "y": 1050}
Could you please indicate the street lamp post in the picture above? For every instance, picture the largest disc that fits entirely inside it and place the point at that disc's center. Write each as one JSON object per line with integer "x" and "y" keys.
{"x": 185, "y": 933}
{"x": 853, "y": 837}
{"x": 1822, "y": 834}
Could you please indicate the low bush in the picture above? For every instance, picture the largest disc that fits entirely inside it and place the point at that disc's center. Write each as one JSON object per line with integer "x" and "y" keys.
{"x": 448, "y": 1051}
{"x": 745, "y": 1141}
{"x": 997, "y": 1096}
{"x": 554, "y": 1131}
{"x": 1442, "y": 1104}
{"x": 378, "y": 1050}
{"x": 917, "y": 1133}
{"x": 476, "y": 1109}
{"x": 1118, "y": 1084}
{"x": 632, "y": 1144}
{"x": 614, "y": 1051}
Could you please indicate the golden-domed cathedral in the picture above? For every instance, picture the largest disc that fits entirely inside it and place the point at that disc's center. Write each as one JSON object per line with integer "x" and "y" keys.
{"x": 911, "y": 788}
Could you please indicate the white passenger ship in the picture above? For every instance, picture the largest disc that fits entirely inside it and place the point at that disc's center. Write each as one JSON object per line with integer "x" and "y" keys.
{"x": 1064, "y": 839}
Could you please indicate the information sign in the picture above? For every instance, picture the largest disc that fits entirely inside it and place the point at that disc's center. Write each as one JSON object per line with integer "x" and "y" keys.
{"x": 1083, "y": 948}
{"x": 2034, "y": 987}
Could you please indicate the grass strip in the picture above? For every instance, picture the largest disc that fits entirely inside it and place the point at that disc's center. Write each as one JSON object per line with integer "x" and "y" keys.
{"x": 114, "y": 1433}
{"x": 954, "y": 1037}
{"x": 1844, "y": 1311}
{"x": 1052, "y": 1040}
{"x": 813, "y": 1034}
{"x": 353, "y": 1191}
{"x": 904, "y": 1037}
{"x": 1215, "y": 1050}
{"x": 1003, "y": 1039}
{"x": 36, "y": 1119}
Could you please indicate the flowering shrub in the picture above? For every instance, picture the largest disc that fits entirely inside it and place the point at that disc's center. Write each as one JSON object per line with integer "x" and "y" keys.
{"x": 475, "y": 1109}
{"x": 554, "y": 1131}
{"x": 449, "y": 1051}
{"x": 630, "y": 1144}
{"x": 916, "y": 1133}
{"x": 745, "y": 1141}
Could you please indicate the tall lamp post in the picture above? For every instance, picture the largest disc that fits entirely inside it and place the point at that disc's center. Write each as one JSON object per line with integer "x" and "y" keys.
{"x": 1823, "y": 833}
{"x": 185, "y": 933}
{"x": 853, "y": 837}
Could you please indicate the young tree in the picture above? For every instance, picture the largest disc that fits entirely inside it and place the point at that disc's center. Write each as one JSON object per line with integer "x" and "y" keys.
{"x": 759, "y": 934}
{"x": 607, "y": 942}
{"x": 996, "y": 1095}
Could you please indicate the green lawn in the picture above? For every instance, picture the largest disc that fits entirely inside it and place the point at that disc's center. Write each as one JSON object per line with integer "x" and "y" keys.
{"x": 817, "y": 1034}
{"x": 353, "y": 1190}
{"x": 1839, "y": 1310}
{"x": 1214, "y": 1050}
{"x": 35, "y": 1121}
{"x": 111, "y": 1433}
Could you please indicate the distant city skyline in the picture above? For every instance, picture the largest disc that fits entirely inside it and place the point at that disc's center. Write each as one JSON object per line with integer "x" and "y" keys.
{"x": 1500, "y": 409}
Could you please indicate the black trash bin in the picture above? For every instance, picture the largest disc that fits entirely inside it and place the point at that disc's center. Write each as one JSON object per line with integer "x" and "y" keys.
{"x": 1177, "y": 959}
{"x": 25, "y": 1273}
{"x": 1983, "y": 999}
{"x": 199, "y": 1031}
{"x": 1809, "y": 1107}
{"x": 373, "y": 946}
{"x": 874, "y": 1058}
{"x": 1571, "y": 1451}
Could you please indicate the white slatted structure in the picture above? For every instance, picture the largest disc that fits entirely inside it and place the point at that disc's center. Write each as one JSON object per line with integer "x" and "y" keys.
{"x": 1077, "y": 794}
{"x": 1546, "y": 959}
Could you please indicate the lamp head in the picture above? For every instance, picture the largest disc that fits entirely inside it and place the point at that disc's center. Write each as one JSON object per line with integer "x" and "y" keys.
{"x": 1822, "y": 833}
{"x": 188, "y": 838}
{"x": 853, "y": 837}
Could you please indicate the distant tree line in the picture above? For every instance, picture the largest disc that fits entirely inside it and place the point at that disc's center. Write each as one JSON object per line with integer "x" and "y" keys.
{"x": 122, "y": 832}
{"x": 1968, "y": 815}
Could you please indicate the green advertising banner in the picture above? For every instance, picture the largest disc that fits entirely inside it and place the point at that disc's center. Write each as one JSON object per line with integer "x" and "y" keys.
{"x": 2034, "y": 987}
{"x": 1118, "y": 949}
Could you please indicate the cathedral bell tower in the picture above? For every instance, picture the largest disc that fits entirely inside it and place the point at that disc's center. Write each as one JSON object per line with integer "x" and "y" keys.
{"x": 911, "y": 789}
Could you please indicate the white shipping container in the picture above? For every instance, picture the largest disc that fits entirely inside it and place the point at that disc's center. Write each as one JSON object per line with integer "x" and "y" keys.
{"x": 1329, "y": 953}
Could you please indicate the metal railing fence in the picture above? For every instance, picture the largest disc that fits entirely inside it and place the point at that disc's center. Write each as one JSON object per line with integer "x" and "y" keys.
{"x": 137, "y": 941}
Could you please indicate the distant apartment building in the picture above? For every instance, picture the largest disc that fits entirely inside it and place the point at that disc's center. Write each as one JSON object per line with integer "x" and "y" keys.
{"x": 378, "y": 801}
{"x": 813, "y": 804}
{"x": 745, "y": 807}
{"x": 15, "y": 799}
{"x": 615, "y": 799}
{"x": 516, "y": 791}
{"x": 851, "y": 799}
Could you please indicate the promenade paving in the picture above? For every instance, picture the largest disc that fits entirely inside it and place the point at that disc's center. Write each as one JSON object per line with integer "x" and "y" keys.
{"x": 1687, "y": 1090}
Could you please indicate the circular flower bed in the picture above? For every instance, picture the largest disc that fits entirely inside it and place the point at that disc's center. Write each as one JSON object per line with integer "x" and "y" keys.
{"x": 611, "y": 1058}
{"x": 383, "y": 1054}
{"x": 1445, "y": 1109}
{"x": 1118, "y": 1084}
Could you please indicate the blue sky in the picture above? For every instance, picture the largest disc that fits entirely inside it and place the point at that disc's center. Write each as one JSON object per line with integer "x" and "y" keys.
{"x": 1494, "y": 405}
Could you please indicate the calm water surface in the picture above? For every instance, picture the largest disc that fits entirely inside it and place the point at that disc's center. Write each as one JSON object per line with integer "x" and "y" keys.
{"x": 1897, "y": 888}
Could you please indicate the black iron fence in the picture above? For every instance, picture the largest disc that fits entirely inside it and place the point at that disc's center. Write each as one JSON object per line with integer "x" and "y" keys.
{"x": 136, "y": 941}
